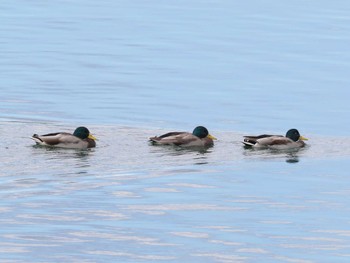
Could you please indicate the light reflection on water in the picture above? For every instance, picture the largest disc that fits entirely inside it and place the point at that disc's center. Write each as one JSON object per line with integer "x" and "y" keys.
{"x": 133, "y": 201}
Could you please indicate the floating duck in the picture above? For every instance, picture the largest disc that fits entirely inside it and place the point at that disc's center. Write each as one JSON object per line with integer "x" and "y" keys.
{"x": 199, "y": 137}
{"x": 293, "y": 139}
{"x": 80, "y": 139}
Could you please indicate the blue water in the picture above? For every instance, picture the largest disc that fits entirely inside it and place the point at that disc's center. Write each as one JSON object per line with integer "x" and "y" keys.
{"x": 129, "y": 70}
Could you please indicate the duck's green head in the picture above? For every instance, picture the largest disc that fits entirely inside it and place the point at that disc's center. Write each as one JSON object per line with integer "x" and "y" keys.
{"x": 202, "y": 132}
{"x": 294, "y": 135}
{"x": 83, "y": 133}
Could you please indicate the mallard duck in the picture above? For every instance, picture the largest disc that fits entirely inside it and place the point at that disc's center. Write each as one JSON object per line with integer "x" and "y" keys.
{"x": 80, "y": 139}
{"x": 199, "y": 137}
{"x": 293, "y": 139}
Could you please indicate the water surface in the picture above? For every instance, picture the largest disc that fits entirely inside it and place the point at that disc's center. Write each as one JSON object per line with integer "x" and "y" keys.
{"x": 131, "y": 70}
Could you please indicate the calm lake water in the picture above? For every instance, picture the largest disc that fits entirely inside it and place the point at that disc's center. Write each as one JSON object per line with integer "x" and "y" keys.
{"x": 129, "y": 70}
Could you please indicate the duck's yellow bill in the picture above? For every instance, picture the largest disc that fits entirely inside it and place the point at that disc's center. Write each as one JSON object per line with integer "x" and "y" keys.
{"x": 211, "y": 137}
{"x": 301, "y": 138}
{"x": 92, "y": 137}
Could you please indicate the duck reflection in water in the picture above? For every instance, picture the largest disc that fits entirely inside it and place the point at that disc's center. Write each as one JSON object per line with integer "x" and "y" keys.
{"x": 291, "y": 155}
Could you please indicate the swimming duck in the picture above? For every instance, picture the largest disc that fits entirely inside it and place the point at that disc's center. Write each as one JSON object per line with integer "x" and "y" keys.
{"x": 199, "y": 137}
{"x": 293, "y": 139}
{"x": 80, "y": 139}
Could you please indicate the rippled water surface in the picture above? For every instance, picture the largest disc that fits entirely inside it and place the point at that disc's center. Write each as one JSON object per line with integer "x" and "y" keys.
{"x": 129, "y": 70}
